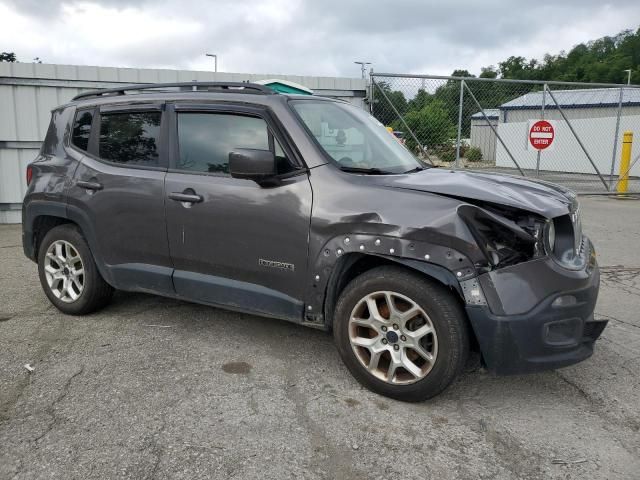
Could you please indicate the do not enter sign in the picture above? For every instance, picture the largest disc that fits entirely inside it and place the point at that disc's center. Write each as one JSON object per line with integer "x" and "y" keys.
{"x": 541, "y": 134}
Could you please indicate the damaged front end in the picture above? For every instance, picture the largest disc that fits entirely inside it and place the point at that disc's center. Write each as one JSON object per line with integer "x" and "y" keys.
{"x": 505, "y": 235}
{"x": 513, "y": 250}
{"x": 508, "y": 236}
{"x": 539, "y": 284}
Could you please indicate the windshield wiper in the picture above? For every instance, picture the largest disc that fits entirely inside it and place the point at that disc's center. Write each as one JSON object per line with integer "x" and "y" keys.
{"x": 366, "y": 171}
{"x": 417, "y": 169}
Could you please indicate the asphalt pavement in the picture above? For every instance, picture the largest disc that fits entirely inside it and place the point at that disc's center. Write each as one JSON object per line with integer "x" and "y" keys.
{"x": 158, "y": 388}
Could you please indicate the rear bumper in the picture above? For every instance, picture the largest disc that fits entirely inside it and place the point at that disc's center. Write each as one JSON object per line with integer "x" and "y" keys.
{"x": 559, "y": 329}
{"x": 27, "y": 234}
{"x": 27, "y": 245}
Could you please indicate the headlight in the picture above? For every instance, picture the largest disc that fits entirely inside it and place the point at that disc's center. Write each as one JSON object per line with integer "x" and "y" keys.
{"x": 576, "y": 222}
{"x": 505, "y": 236}
{"x": 567, "y": 240}
{"x": 550, "y": 237}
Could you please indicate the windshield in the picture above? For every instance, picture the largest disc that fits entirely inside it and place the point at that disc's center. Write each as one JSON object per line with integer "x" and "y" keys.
{"x": 355, "y": 139}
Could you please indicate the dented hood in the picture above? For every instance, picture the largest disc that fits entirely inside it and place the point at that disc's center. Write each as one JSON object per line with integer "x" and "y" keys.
{"x": 546, "y": 199}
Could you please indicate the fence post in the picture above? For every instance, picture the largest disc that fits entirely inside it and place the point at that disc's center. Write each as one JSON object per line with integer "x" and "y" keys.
{"x": 544, "y": 101}
{"x": 494, "y": 130}
{"x": 606, "y": 187}
{"x": 371, "y": 99}
{"x": 615, "y": 140}
{"x": 399, "y": 115}
{"x": 459, "y": 123}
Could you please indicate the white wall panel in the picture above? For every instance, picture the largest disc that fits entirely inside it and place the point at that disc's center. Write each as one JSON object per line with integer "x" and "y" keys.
{"x": 595, "y": 133}
{"x": 13, "y": 167}
{"x": 46, "y": 100}
{"x": 7, "y": 113}
{"x": 68, "y": 72}
{"x": 26, "y": 114}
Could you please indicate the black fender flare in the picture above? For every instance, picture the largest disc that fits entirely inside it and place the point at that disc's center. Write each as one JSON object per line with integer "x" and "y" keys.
{"x": 30, "y": 213}
{"x": 433, "y": 271}
{"x": 39, "y": 208}
{"x": 338, "y": 254}
{"x": 81, "y": 218}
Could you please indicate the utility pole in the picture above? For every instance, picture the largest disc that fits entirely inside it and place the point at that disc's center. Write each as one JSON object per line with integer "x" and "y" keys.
{"x": 363, "y": 67}
{"x": 628, "y": 76}
{"x": 215, "y": 60}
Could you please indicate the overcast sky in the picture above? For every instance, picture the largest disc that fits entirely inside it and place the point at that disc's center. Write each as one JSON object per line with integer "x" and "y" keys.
{"x": 312, "y": 37}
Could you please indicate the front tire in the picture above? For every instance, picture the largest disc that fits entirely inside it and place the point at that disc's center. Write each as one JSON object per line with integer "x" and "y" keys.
{"x": 400, "y": 334}
{"x": 68, "y": 273}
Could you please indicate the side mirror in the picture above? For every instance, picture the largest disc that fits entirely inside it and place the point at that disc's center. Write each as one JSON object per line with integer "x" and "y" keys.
{"x": 252, "y": 164}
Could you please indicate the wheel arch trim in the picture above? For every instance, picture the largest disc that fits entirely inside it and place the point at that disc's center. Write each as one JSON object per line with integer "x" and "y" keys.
{"x": 44, "y": 208}
{"x": 33, "y": 210}
{"x": 340, "y": 276}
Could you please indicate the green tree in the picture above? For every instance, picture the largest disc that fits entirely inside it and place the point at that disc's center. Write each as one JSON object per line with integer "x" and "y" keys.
{"x": 514, "y": 67}
{"x": 420, "y": 101}
{"x": 382, "y": 109}
{"x": 431, "y": 125}
{"x": 489, "y": 72}
{"x": 602, "y": 60}
{"x": 8, "y": 57}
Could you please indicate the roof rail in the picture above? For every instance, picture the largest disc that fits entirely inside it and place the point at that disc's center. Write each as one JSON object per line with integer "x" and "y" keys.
{"x": 232, "y": 87}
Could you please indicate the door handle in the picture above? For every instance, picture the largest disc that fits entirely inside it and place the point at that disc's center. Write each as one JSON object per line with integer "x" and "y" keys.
{"x": 185, "y": 197}
{"x": 89, "y": 185}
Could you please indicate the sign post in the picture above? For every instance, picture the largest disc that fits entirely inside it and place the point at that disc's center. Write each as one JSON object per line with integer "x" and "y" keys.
{"x": 544, "y": 104}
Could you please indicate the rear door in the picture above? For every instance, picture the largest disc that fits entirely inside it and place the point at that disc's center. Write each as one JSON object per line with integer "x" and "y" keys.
{"x": 118, "y": 193}
{"x": 237, "y": 244}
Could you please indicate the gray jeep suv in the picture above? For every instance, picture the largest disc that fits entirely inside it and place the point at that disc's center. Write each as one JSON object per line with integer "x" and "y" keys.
{"x": 306, "y": 209}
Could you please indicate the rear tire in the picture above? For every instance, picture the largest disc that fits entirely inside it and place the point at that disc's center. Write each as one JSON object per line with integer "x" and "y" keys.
{"x": 68, "y": 273}
{"x": 400, "y": 334}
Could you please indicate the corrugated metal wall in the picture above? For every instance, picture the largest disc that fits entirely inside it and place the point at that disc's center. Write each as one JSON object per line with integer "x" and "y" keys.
{"x": 596, "y": 134}
{"x": 482, "y": 137}
{"x": 29, "y": 91}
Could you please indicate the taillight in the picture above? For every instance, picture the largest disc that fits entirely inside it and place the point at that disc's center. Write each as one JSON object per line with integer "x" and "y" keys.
{"x": 29, "y": 174}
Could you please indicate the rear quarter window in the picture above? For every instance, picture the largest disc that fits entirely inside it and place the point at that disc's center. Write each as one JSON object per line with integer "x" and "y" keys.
{"x": 82, "y": 129}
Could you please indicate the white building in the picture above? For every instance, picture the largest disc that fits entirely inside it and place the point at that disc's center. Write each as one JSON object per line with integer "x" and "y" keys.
{"x": 592, "y": 114}
{"x": 482, "y": 135}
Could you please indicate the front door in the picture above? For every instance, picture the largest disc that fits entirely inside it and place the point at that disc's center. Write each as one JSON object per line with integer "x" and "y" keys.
{"x": 233, "y": 242}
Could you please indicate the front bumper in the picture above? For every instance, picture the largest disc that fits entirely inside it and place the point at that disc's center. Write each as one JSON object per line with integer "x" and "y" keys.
{"x": 538, "y": 316}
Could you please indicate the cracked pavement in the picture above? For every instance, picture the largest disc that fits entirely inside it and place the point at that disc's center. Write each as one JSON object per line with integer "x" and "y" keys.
{"x": 157, "y": 388}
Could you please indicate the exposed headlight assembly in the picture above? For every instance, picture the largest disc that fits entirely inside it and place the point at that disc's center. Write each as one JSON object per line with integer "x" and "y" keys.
{"x": 576, "y": 221}
{"x": 506, "y": 237}
{"x": 550, "y": 236}
{"x": 566, "y": 245}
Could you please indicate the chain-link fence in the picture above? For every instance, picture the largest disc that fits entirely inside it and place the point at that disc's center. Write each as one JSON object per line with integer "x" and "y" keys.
{"x": 567, "y": 133}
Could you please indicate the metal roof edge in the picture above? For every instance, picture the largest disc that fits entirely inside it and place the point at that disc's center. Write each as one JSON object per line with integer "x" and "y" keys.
{"x": 575, "y": 105}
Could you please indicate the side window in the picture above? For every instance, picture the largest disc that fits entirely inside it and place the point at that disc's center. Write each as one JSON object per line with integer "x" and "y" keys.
{"x": 82, "y": 129}
{"x": 206, "y": 139}
{"x": 130, "y": 138}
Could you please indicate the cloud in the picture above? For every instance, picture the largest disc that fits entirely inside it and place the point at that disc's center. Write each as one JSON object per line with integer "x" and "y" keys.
{"x": 303, "y": 36}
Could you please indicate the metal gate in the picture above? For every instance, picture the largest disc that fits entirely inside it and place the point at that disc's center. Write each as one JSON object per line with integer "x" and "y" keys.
{"x": 564, "y": 132}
